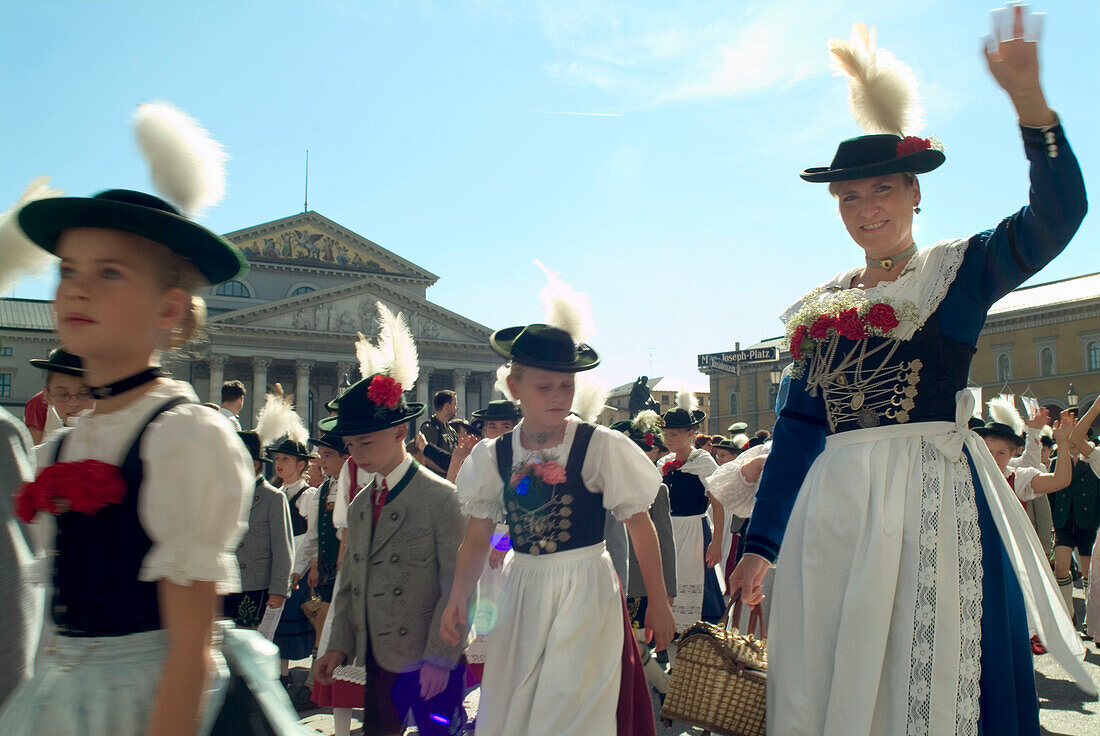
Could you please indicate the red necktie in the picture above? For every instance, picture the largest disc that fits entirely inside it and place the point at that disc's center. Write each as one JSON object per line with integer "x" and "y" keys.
{"x": 380, "y": 492}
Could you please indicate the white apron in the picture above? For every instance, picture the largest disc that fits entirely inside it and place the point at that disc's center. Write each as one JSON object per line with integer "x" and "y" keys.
{"x": 875, "y": 623}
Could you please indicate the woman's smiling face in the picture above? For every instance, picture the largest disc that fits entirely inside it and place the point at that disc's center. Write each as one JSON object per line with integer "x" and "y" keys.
{"x": 878, "y": 212}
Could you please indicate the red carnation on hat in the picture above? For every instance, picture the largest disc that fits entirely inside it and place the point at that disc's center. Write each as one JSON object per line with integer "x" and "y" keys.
{"x": 819, "y": 330}
{"x": 850, "y": 325}
{"x": 912, "y": 144}
{"x": 648, "y": 439}
{"x": 384, "y": 391}
{"x": 882, "y": 316}
{"x": 796, "y": 341}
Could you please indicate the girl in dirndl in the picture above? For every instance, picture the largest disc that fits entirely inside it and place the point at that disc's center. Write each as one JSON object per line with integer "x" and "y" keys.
{"x": 904, "y": 560}
{"x": 698, "y": 549}
{"x": 562, "y": 659}
{"x": 149, "y": 492}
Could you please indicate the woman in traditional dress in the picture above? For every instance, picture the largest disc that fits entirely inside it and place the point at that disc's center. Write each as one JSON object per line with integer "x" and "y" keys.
{"x": 906, "y": 560}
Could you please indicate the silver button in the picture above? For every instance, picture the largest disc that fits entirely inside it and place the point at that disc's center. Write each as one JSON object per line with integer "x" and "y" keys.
{"x": 1050, "y": 136}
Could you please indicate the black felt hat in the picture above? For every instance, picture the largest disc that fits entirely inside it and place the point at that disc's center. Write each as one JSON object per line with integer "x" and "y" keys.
{"x": 331, "y": 441}
{"x": 975, "y": 423}
{"x": 500, "y": 410}
{"x": 731, "y": 444}
{"x": 358, "y": 413}
{"x": 878, "y": 155}
{"x": 333, "y": 403}
{"x": 543, "y": 346}
{"x": 678, "y": 418}
{"x": 60, "y": 361}
{"x": 251, "y": 442}
{"x": 217, "y": 259}
{"x": 645, "y": 440}
{"x": 737, "y": 428}
{"x": 996, "y": 429}
{"x": 289, "y": 447}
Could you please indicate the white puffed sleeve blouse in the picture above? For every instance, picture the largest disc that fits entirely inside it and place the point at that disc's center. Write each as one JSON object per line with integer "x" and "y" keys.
{"x": 614, "y": 466}
{"x": 197, "y": 482}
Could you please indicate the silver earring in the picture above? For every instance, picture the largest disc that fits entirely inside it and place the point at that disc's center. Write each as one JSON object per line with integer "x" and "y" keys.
{"x": 916, "y": 210}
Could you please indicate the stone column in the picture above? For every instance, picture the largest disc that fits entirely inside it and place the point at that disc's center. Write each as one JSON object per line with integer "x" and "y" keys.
{"x": 487, "y": 380}
{"x": 301, "y": 389}
{"x": 461, "y": 376}
{"x": 422, "y": 386}
{"x": 217, "y": 377}
{"x": 260, "y": 364}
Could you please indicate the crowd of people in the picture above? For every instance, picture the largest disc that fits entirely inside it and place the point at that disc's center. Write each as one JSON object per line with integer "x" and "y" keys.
{"x": 906, "y": 559}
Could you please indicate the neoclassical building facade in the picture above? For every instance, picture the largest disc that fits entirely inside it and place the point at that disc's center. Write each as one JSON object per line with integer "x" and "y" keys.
{"x": 293, "y": 319}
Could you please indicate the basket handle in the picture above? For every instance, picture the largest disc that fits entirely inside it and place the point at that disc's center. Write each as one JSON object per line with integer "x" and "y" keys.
{"x": 756, "y": 618}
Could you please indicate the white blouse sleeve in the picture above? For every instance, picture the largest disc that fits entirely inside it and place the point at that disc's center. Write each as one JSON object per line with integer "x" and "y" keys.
{"x": 728, "y": 486}
{"x": 1093, "y": 461}
{"x": 306, "y": 547}
{"x": 617, "y": 468}
{"x": 340, "y": 509}
{"x": 1022, "y": 483}
{"x": 480, "y": 487}
{"x": 195, "y": 495}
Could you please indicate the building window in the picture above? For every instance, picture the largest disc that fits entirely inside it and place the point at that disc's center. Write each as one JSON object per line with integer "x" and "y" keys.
{"x": 1046, "y": 361}
{"x": 665, "y": 399}
{"x": 302, "y": 290}
{"x": 734, "y": 404}
{"x": 233, "y": 288}
{"x": 1004, "y": 368}
{"x": 5, "y": 352}
{"x": 5, "y": 385}
{"x": 1092, "y": 356}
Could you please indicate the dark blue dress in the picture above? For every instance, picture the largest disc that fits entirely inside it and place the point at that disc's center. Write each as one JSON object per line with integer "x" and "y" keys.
{"x": 995, "y": 262}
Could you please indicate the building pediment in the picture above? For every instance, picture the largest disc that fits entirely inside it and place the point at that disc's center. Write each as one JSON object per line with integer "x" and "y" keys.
{"x": 350, "y": 308}
{"x": 311, "y": 239}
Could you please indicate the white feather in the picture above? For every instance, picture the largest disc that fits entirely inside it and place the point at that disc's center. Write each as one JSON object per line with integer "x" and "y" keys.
{"x": 186, "y": 163}
{"x": 19, "y": 256}
{"x": 566, "y": 308}
{"x": 1001, "y": 410}
{"x": 502, "y": 382}
{"x": 589, "y": 397}
{"x": 369, "y": 356}
{"x": 1046, "y": 431}
{"x": 686, "y": 400}
{"x": 647, "y": 421}
{"x": 882, "y": 91}
{"x": 278, "y": 419}
{"x": 740, "y": 440}
{"x": 406, "y": 362}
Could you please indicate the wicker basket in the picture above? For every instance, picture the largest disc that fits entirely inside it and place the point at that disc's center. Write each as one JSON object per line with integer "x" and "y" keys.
{"x": 719, "y": 680}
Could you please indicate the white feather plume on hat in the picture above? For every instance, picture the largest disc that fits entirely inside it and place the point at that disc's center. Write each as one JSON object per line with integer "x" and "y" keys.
{"x": 393, "y": 352}
{"x": 589, "y": 397}
{"x": 647, "y": 421}
{"x": 566, "y": 308}
{"x": 186, "y": 163}
{"x": 278, "y": 419}
{"x": 502, "y": 382}
{"x": 1002, "y": 411}
{"x": 19, "y": 256}
{"x": 882, "y": 90}
{"x": 685, "y": 399}
{"x": 1046, "y": 431}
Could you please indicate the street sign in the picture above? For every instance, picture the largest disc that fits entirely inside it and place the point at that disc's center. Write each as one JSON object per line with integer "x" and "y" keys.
{"x": 728, "y": 362}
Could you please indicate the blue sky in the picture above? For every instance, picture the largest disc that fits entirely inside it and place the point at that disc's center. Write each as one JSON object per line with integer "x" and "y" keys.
{"x": 433, "y": 130}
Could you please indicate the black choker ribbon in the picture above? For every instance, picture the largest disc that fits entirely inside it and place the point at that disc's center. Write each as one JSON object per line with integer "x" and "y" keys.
{"x": 888, "y": 263}
{"x": 126, "y": 384}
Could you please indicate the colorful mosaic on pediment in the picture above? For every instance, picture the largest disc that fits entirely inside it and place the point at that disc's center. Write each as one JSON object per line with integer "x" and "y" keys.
{"x": 309, "y": 245}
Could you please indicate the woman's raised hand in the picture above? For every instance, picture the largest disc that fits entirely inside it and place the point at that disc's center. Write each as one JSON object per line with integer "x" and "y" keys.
{"x": 1014, "y": 62}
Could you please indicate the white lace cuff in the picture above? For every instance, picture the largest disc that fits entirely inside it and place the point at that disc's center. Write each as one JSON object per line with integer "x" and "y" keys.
{"x": 483, "y": 508}
{"x": 624, "y": 511}
{"x": 183, "y": 565}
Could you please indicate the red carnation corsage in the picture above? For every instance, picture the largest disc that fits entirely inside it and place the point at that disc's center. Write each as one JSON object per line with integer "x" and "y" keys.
{"x": 85, "y": 486}
{"x": 648, "y": 439}
{"x": 912, "y": 144}
{"x": 384, "y": 391}
{"x": 672, "y": 466}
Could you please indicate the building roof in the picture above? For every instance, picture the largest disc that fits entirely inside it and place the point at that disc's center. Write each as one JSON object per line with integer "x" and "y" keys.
{"x": 772, "y": 342}
{"x": 662, "y": 383}
{"x": 26, "y": 314}
{"x": 1052, "y": 294}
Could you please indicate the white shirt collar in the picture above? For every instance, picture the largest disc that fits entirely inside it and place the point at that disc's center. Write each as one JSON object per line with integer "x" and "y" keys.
{"x": 396, "y": 474}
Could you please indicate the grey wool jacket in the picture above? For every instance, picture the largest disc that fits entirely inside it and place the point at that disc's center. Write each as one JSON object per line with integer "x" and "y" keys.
{"x": 266, "y": 551}
{"x": 395, "y": 578}
{"x": 20, "y": 605}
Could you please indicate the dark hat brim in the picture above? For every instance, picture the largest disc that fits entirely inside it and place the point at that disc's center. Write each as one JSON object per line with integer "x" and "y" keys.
{"x": 358, "y": 425}
{"x": 676, "y": 420}
{"x": 920, "y": 162}
{"x": 217, "y": 259}
{"x": 322, "y": 442}
{"x": 272, "y": 452}
{"x": 46, "y": 365}
{"x": 483, "y": 415}
{"x": 995, "y": 429}
{"x": 584, "y": 357}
